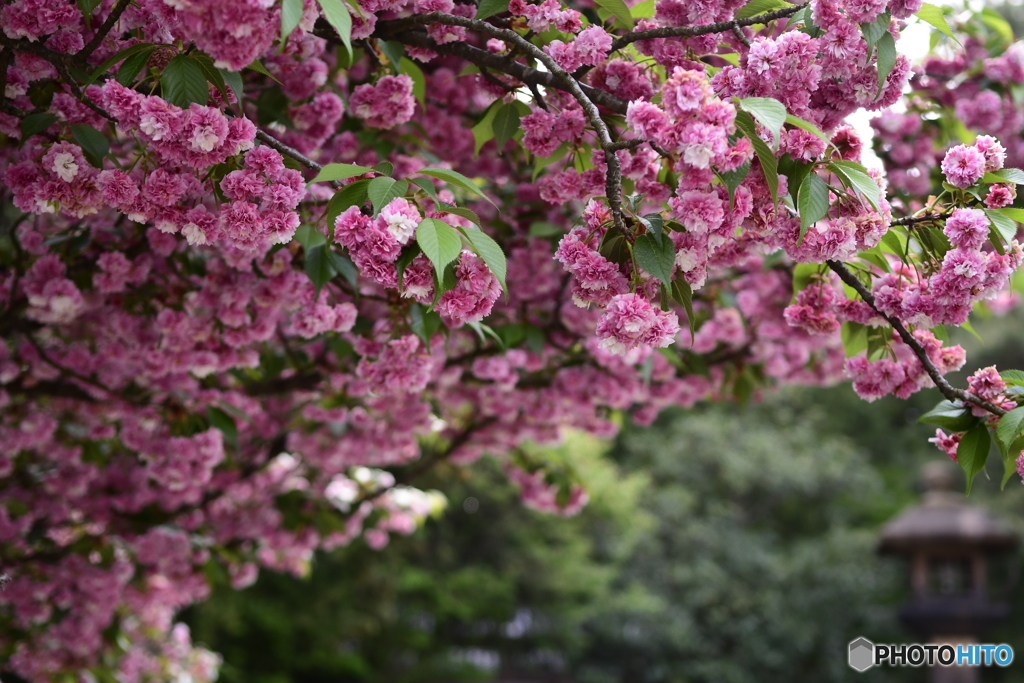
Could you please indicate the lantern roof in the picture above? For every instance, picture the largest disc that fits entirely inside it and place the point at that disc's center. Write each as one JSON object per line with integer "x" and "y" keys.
{"x": 944, "y": 519}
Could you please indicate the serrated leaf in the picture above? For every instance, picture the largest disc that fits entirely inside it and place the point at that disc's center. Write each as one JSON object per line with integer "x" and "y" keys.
{"x": 183, "y": 82}
{"x": 505, "y": 124}
{"x": 655, "y": 256}
{"x": 756, "y": 7}
{"x": 409, "y": 252}
{"x": 455, "y": 178}
{"x": 769, "y": 112}
{"x": 873, "y": 31}
{"x": 886, "y": 48}
{"x": 383, "y": 189}
{"x": 809, "y": 127}
{"x": 619, "y": 10}
{"x": 384, "y": 168}
{"x": 934, "y": 16}
{"x": 233, "y": 80}
{"x": 488, "y": 8}
{"x": 36, "y": 123}
{"x": 997, "y": 23}
{"x": 769, "y": 164}
{"x": 972, "y": 452}
{"x": 812, "y": 201}
{"x": 225, "y": 423}
{"x": 394, "y": 51}
{"x": 120, "y": 56}
{"x": 461, "y": 211}
{"x": 1005, "y": 175}
{"x": 291, "y": 15}
{"x": 94, "y": 144}
{"x": 332, "y": 172}
{"x": 440, "y": 243}
{"x": 1010, "y": 426}
{"x": 732, "y": 179}
{"x": 337, "y": 15}
{"x": 949, "y": 416}
{"x": 211, "y": 73}
{"x": 427, "y": 185}
{"x": 419, "y": 81}
{"x": 855, "y": 177}
{"x": 352, "y": 194}
{"x": 892, "y": 240}
{"x": 487, "y": 249}
{"x": 132, "y": 65}
{"x": 1013, "y": 377}
{"x": 1005, "y": 226}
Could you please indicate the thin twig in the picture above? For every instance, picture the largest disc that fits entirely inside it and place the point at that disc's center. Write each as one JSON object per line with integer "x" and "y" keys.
{"x": 103, "y": 30}
{"x": 947, "y": 389}
{"x": 704, "y": 29}
{"x": 914, "y": 220}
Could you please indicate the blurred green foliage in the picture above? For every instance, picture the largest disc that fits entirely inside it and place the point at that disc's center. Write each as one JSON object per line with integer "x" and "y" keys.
{"x": 719, "y": 545}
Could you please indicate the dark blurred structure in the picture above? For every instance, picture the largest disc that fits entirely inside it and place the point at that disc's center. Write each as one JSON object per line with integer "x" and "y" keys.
{"x": 950, "y": 545}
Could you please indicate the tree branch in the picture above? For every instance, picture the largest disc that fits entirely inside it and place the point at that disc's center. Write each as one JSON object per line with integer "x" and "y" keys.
{"x": 947, "y": 389}
{"x": 613, "y": 176}
{"x": 103, "y": 30}
{"x": 704, "y": 29}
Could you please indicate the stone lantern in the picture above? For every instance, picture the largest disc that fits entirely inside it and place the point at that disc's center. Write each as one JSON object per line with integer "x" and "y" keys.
{"x": 949, "y": 544}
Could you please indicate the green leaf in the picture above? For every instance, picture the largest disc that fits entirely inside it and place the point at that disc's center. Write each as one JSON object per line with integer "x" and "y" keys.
{"x": 808, "y": 126}
{"x": 353, "y": 194}
{"x": 233, "y": 80}
{"x": 318, "y": 266}
{"x": 94, "y": 144}
{"x": 803, "y": 273}
{"x": 460, "y": 211}
{"x": 997, "y": 23}
{"x": 1005, "y": 226}
{"x": 308, "y": 236}
{"x": 440, "y": 242}
{"x": 873, "y": 32}
{"x": 732, "y": 179}
{"x": 892, "y": 240}
{"x": 394, "y": 51}
{"x": 618, "y": 9}
{"x": 257, "y": 66}
{"x": 332, "y": 172}
{"x": 886, "y": 48}
{"x": 427, "y": 185}
{"x": 855, "y": 338}
{"x": 225, "y": 423}
{"x": 483, "y": 130}
{"x": 343, "y": 266}
{"x": 488, "y": 8}
{"x": 487, "y": 249}
{"x": 210, "y": 72}
{"x": 291, "y": 15}
{"x": 119, "y": 57}
{"x": 769, "y": 112}
{"x": 655, "y": 256}
{"x": 1013, "y": 377}
{"x": 934, "y": 16}
{"x": 337, "y": 15}
{"x": 812, "y": 201}
{"x": 423, "y": 323}
{"x": 855, "y": 177}
{"x": 769, "y": 164}
{"x": 132, "y": 65}
{"x": 409, "y": 252}
{"x": 505, "y": 124}
{"x": 682, "y": 293}
{"x": 949, "y": 416}
{"x": 643, "y": 10}
{"x": 756, "y": 7}
{"x": 383, "y": 189}
{"x": 972, "y": 452}
{"x": 36, "y": 123}
{"x": 455, "y": 178}
{"x": 1010, "y": 426}
{"x": 1005, "y": 175}
{"x": 183, "y": 82}
{"x": 419, "y": 81}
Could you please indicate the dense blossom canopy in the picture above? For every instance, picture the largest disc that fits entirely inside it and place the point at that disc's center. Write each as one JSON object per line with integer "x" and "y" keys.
{"x": 265, "y": 261}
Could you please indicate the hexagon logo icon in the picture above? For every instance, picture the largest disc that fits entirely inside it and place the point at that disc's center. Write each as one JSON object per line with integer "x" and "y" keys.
{"x": 862, "y": 654}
